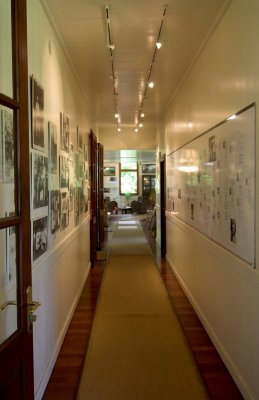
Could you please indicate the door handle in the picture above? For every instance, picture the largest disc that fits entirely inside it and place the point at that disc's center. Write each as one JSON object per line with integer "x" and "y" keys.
{"x": 31, "y": 308}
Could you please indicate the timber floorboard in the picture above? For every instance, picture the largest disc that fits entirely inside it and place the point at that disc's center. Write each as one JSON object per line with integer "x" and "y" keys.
{"x": 65, "y": 378}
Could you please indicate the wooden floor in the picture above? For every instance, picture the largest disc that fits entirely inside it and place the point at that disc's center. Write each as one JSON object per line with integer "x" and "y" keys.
{"x": 65, "y": 378}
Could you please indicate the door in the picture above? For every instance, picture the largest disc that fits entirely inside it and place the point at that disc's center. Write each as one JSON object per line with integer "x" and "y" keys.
{"x": 93, "y": 195}
{"x": 16, "y": 356}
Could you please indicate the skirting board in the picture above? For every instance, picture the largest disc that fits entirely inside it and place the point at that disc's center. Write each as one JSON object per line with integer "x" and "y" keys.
{"x": 217, "y": 343}
{"x": 41, "y": 389}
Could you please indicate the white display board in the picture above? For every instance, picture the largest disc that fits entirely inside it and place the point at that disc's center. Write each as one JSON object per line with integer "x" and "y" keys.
{"x": 211, "y": 184}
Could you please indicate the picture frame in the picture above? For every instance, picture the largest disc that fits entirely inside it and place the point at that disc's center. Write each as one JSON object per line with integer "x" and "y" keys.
{"x": 55, "y": 207}
{"x": 79, "y": 140}
{"x": 63, "y": 171}
{"x": 39, "y": 180}
{"x": 64, "y": 133}
{"x": 7, "y": 147}
{"x": 64, "y": 210}
{"x": 53, "y": 148}
{"x": 39, "y": 237}
{"x": 109, "y": 171}
{"x": 37, "y": 114}
{"x": 148, "y": 168}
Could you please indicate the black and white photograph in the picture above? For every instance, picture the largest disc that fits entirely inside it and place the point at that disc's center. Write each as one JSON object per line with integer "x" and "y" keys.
{"x": 76, "y": 206}
{"x": 79, "y": 140}
{"x": 53, "y": 148}
{"x": 148, "y": 168}
{"x": 39, "y": 180}
{"x": 7, "y": 146}
{"x": 233, "y": 230}
{"x": 71, "y": 197}
{"x": 63, "y": 172}
{"x": 64, "y": 210}
{"x": 64, "y": 133}
{"x": 212, "y": 149}
{"x": 39, "y": 237}
{"x": 37, "y": 99}
{"x": 55, "y": 204}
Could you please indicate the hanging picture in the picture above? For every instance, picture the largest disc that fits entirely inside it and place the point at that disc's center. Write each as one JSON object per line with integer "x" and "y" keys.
{"x": 63, "y": 172}
{"x": 76, "y": 205}
{"x": 79, "y": 140}
{"x": 7, "y": 146}
{"x": 55, "y": 204}
{"x": 37, "y": 105}
{"x": 64, "y": 210}
{"x": 1, "y": 149}
{"x": 39, "y": 237}
{"x": 39, "y": 180}
{"x": 10, "y": 253}
{"x": 53, "y": 148}
{"x": 64, "y": 133}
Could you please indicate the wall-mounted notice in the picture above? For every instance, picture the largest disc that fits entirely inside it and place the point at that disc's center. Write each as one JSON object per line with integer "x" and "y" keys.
{"x": 211, "y": 184}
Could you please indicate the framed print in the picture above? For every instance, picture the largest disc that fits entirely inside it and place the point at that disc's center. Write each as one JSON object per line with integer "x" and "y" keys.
{"x": 37, "y": 105}
{"x": 148, "y": 168}
{"x": 76, "y": 206}
{"x": 63, "y": 171}
{"x": 109, "y": 171}
{"x": 79, "y": 140}
{"x": 55, "y": 205}
{"x": 64, "y": 210}
{"x": 53, "y": 148}
{"x": 64, "y": 133}
{"x": 7, "y": 146}
{"x": 11, "y": 253}
{"x": 39, "y": 237}
{"x": 85, "y": 152}
{"x": 1, "y": 148}
{"x": 39, "y": 180}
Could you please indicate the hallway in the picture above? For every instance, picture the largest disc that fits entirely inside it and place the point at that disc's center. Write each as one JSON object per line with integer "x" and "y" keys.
{"x": 66, "y": 375}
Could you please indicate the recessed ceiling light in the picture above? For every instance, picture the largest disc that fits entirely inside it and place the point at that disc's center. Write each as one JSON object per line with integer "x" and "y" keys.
{"x": 142, "y": 115}
{"x": 158, "y": 45}
{"x": 136, "y": 129}
{"x": 116, "y": 115}
{"x": 119, "y": 129}
{"x": 151, "y": 84}
{"x": 140, "y": 125}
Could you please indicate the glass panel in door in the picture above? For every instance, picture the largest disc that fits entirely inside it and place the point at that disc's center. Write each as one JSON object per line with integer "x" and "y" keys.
{"x": 8, "y": 283}
{"x": 6, "y": 57}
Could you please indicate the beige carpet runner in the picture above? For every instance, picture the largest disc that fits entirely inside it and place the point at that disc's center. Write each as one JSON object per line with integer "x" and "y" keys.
{"x": 137, "y": 350}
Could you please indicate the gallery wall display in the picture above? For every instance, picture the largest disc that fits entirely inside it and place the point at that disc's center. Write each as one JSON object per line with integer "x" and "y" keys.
{"x": 211, "y": 184}
{"x": 37, "y": 105}
{"x": 60, "y": 179}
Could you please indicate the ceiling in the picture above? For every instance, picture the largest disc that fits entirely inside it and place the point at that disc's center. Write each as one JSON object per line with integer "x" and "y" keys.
{"x": 134, "y": 27}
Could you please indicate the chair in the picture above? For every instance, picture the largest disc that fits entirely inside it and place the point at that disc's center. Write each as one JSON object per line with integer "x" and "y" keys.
{"x": 113, "y": 206}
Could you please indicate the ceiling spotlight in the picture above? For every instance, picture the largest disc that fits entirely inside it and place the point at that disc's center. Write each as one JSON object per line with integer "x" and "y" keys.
{"x": 232, "y": 117}
{"x": 119, "y": 129}
{"x": 116, "y": 115}
{"x": 158, "y": 45}
{"x": 151, "y": 84}
{"x": 136, "y": 129}
{"x": 140, "y": 125}
{"x": 142, "y": 115}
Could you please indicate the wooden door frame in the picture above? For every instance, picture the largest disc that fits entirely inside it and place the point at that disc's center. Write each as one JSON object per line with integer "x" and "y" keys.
{"x": 16, "y": 353}
{"x": 162, "y": 165}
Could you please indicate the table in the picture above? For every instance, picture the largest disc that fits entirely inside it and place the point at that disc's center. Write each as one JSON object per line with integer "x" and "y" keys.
{"x": 126, "y": 210}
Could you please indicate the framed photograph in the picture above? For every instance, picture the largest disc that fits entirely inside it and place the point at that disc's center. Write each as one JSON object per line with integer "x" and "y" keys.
{"x": 37, "y": 105}
{"x": 76, "y": 206}
{"x": 55, "y": 204}
{"x": 64, "y": 210}
{"x": 53, "y": 148}
{"x": 1, "y": 148}
{"x": 85, "y": 188}
{"x": 64, "y": 133}
{"x": 148, "y": 168}
{"x": 7, "y": 146}
{"x": 39, "y": 180}
{"x": 79, "y": 140}
{"x": 85, "y": 152}
{"x": 39, "y": 237}
{"x": 109, "y": 171}
{"x": 63, "y": 171}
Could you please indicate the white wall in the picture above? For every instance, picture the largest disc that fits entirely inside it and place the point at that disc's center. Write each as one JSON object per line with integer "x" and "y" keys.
{"x": 59, "y": 274}
{"x": 224, "y": 290}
